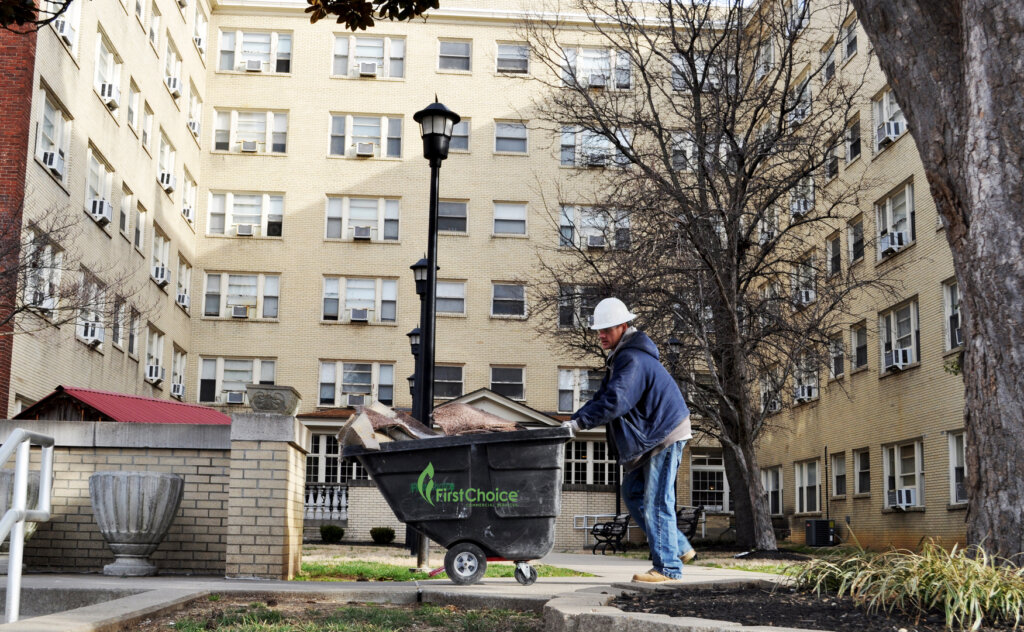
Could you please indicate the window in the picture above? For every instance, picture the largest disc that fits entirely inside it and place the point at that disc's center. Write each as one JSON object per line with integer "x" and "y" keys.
{"x": 246, "y": 214}
{"x": 117, "y": 322}
{"x": 771, "y": 479}
{"x": 219, "y": 377}
{"x": 898, "y": 334}
{"x": 178, "y": 363}
{"x": 904, "y": 469}
{"x": 832, "y": 161}
{"x": 589, "y": 463}
{"x": 147, "y": 127}
{"x": 859, "y": 342}
{"x": 768, "y": 225}
{"x": 357, "y": 218}
{"x": 360, "y": 383}
{"x": 195, "y": 112}
{"x": 255, "y": 51}
{"x": 804, "y": 282}
{"x": 839, "y": 474}
{"x": 241, "y": 295}
{"x": 90, "y": 315}
{"x": 577, "y": 387}
{"x": 586, "y": 148}
{"x": 107, "y": 79}
{"x": 460, "y": 136}
{"x": 134, "y": 96}
{"x": 133, "y": 331}
{"x": 508, "y": 381}
{"x": 66, "y": 26}
{"x": 454, "y": 55}
{"x": 798, "y": 15}
{"x": 508, "y": 300}
{"x": 957, "y": 471}
{"x": 54, "y": 137}
{"x": 451, "y": 216}
{"x": 708, "y": 74}
{"x": 799, "y": 102}
{"x": 592, "y": 227}
{"x": 188, "y": 198}
{"x": 378, "y": 297}
{"x": 770, "y": 388}
{"x": 184, "y": 282}
{"x": 576, "y": 305}
{"x": 895, "y": 221}
{"x": 42, "y": 272}
{"x": 862, "y": 467}
{"x": 165, "y": 163}
{"x": 849, "y": 39}
{"x": 366, "y": 136}
{"x": 154, "y": 349}
{"x": 199, "y": 31}
{"x": 451, "y": 297}
{"x": 139, "y": 237}
{"x": 765, "y": 59}
{"x": 828, "y": 62}
{"x": 708, "y": 485}
{"x": 161, "y": 251}
{"x": 852, "y": 136}
{"x": 514, "y": 59}
{"x": 855, "y": 235}
{"x": 509, "y": 218}
{"x": 889, "y": 120}
{"x": 592, "y": 68}
{"x": 172, "y": 69}
{"x": 140, "y": 10}
{"x": 447, "y": 382}
{"x": 387, "y": 54}
{"x": 837, "y": 357}
{"x": 805, "y": 380}
{"x": 125, "y": 210}
{"x": 833, "y": 250}
{"x": 806, "y": 487}
{"x": 951, "y": 300}
{"x": 510, "y": 137}
{"x": 251, "y": 131}
{"x": 801, "y": 198}
{"x": 98, "y": 181}
{"x": 323, "y": 464}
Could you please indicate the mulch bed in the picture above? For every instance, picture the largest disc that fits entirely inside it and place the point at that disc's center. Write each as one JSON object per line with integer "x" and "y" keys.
{"x": 782, "y": 608}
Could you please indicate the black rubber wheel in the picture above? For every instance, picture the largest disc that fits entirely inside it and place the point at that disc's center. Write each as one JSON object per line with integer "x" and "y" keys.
{"x": 528, "y": 577}
{"x": 465, "y": 563}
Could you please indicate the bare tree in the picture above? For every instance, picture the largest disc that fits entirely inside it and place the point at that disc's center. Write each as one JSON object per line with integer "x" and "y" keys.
{"x": 707, "y": 135}
{"x": 956, "y": 70}
{"x": 361, "y": 14}
{"x": 23, "y": 16}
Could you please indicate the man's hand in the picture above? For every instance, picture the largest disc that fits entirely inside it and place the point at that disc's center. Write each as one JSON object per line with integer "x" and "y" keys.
{"x": 571, "y": 424}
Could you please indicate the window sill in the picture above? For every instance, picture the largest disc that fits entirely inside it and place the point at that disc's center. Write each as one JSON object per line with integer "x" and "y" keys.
{"x": 361, "y": 158}
{"x": 112, "y": 113}
{"x": 838, "y": 378}
{"x": 263, "y": 154}
{"x": 890, "y": 372}
{"x": 512, "y": 153}
{"x": 512, "y": 75}
{"x": 892, "y": 256}
{"x": 881, "y": 150}
{"x": 859, "y": 369}
{"x": 453, "y": 71}
{"x": 98, "y": 225}
{"x": 956, "y": 507}
{"x": 808, "y": 514}
{"x": 183, "y": 308}
{"x": 349, "y": 240}
{"x": 509, "y": 236}
{"x": 138, "y": 251}
{"x": 450, "y": 315}
{"x": 190, "y": 224}
{"x": 807, "y": 403}
{"x": 891, "y": 510}
{"x": 509, "y": 316}
{"x": 367, "y": 79}
{"x": 375, "y": 323}
{"x": 262, "y": 73}
{"x": 244, "y": 237}
{"x": 861, "y": 495}
{"x": 243, "y": 320}
{"x": 163, "y": 288}
{"x": 853, "y": 160}
{"x": 954, "y": 351}
{"x": 58, "y": 179}
{"x": 98, "y": 348}
{"x": 133, "y": 356}
{"x": 838, "y": 497}
{"x": 453, "y": 233}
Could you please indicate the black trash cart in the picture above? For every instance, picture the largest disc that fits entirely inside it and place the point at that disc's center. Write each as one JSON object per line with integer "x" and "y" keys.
{"x": 481, "y": 496}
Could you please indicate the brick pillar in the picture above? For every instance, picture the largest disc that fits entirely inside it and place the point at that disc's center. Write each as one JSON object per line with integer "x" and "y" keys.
{"x": 17, "y": 64}
{"x": 266, "y": 496}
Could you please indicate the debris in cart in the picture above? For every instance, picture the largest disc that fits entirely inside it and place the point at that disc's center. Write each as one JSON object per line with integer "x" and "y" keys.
{"x": 461, "y": 419}
{"x": 372, "y": 425}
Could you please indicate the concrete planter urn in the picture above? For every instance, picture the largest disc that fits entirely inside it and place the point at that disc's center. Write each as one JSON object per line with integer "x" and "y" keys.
{"x": 272, "y": 398}
{"x": 134, "y": 511}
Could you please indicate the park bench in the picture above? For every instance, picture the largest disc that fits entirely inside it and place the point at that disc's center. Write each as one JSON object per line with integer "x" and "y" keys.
{"x": 689, "y": 518}
{"x": 610, "y": 534}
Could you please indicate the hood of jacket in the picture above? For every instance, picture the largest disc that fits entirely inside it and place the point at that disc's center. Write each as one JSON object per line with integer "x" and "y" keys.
{"x": 639, "y": 340}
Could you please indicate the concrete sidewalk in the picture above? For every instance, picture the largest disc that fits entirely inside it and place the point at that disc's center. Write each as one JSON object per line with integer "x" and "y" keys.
{"x": 155, "y": 595}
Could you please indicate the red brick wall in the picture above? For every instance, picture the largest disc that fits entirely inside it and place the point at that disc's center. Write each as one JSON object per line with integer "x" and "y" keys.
{"x": 17, "y": 62}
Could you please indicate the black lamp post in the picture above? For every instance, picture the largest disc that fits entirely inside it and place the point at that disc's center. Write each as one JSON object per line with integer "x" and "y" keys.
{"x": 412, "y": 385}
{"x": 419, "y": 273}
{"x": 414, "y": 341}
{"x": 436, "y": 125}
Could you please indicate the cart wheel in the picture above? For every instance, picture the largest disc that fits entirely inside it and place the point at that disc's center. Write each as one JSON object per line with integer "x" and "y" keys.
{"x": 525, "y": 574}
{"x": 465, "y": 563}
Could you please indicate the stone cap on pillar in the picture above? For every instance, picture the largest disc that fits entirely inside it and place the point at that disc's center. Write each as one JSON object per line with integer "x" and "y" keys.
{"x": 273, "y": 398}
{"x": 270, "y": 427}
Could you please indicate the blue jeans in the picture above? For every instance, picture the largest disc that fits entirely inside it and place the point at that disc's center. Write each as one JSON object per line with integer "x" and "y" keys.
{"x": 650, "y": 496}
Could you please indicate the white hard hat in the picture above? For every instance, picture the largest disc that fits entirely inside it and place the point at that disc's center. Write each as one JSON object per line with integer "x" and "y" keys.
{"x": 611, "y": 312}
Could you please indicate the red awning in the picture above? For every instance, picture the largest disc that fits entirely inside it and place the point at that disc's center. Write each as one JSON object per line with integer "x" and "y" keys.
{"x": 131, "y": 408}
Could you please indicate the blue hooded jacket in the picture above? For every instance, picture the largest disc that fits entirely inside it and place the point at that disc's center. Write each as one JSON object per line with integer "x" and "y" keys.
{"x": 637, "y": 398}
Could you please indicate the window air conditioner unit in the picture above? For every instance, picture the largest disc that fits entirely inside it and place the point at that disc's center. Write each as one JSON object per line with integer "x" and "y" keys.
{"x": 361, "y": 232}
{"x": 805, "y": 297}
{"x": 174, "y": 85}
{"x": 193, "y": 126}
{"x": 249, "y": 146}
{"x": 239, "y": 311}
{"x": 168, "y": 181}
{"x": 110, "y": 94}
{"x": 364, "y": 150}
{"x": 897, "y": 360}
{"x": 161, "y": 275}
{"x": 597, "y": 81}
{"x": 234, "y": 397}
{"x": 902, "y": 498}
{"x": 200, "y": 43}
{"x": 54, "y": 161}
{"x": 804, "y": 393}
{"x": 955, "y": 332}
{"x": 355, "y": 400}
{"x": 773, "y": 406}
{"x": 367, "y": 69}
{"x": 595, "y": 241}
{"x": 43, "y": 303}
{"x": 182, "y": 299}
{"x": 155, "y": 373}
{"x": 799, "y": 207}
{"x": 63, "y": 29}
{"x": 893, "y": 242}
{"x": 359, "y": 315}
{"x": 596, "y": 160}
{"x": 92, "y": 333}
{"x": 186, "y": 212}
{"x": 244, "y": 230}
{"x": 888, "y": 132}
{"x": 101, "y": 211}
{"x": 253, "y": 65}
{"x": 178, "y": 390}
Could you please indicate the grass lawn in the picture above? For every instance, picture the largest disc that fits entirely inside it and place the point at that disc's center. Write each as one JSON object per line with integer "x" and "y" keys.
{"x": 358, "y": 570}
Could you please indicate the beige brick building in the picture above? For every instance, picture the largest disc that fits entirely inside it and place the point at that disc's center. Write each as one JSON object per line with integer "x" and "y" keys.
{"x": 273, "y": 168}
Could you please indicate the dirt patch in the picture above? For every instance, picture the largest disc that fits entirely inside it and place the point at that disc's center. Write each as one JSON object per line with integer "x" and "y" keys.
{"x": 782, "y": 607}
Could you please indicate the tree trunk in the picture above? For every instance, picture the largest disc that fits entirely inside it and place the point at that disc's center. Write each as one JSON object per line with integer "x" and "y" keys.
{"x": 958, "y": 75}
{"x": 750, "y": 506}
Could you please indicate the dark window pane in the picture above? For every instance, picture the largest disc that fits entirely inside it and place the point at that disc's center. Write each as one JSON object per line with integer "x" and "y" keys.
{"x": 207, "y": 390}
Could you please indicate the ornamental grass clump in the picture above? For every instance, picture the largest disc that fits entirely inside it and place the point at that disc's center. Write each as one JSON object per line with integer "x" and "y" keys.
{"x": 968, "y": 586}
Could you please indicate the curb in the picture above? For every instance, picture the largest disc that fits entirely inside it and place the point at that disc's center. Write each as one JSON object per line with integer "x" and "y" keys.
{"x": 110, "y": 615}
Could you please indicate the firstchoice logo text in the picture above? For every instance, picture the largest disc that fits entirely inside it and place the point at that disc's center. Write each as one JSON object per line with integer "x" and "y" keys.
{"x": 446, "y": 493}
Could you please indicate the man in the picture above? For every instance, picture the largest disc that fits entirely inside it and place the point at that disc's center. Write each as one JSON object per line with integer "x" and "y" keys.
{"x": 650, "y": 425}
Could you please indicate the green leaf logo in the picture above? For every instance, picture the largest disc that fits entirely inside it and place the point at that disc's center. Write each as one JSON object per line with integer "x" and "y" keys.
{"x": 426, "y": 476}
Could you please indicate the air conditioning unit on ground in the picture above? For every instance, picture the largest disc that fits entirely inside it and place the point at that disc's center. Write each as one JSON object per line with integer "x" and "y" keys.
{"x": 178, "y": 390}
{"x": 355, "y": 400}
{"x": 250, "y": 146}
{"x": 367, "y": 69}
{"x": 893, "y": 242}
{"x": 597, "y": 81}
{"x": 805, "y": 297}
{"x": 239, "y": 311}
{"x": 200, "y": 43}
{"x": 234, "y": 397}
{"x": 193, "y": 126}
{"x": 174, "y": 85}
{"x": 596, "y": 241}
{"x": 186, "y": 212}
{"x": 359, "y": 315}
{"x": 819, "y": 532}
{"x": 155, "y": 373}
{"x": 897, "y": 360}
{"x": 902, "y": 498}
{"x": 888, "y": 132}
{"x": 253, "y": 65}
{"x": 361, "y": 232}
{"x": 110, "y": 94}
{"x": 91, "y": 333}
{"x": 244, "y": 230}
{"x": 364, "y": 150}
{"x": 54, "y": 161}
{"x": 161, "y": 275}
{"x": 101, "y": 211}
{"x": 799, "y": 207}
{"x": 804, "y": 393}
{"x": 182, "y": 299}
{"x": 63, "y": 29}
{"x": 168, "y": 181}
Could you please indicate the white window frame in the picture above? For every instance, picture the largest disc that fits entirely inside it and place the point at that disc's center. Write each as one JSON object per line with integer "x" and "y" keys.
{"x": 805, "y": 374}
{"x": 580, "y": 301}
{"x": 391, "y": 64}
{"x": 255, "y": 310}
{"x": 861, "y": 458}
{"x": 339, "y": 224}
{"x": 271, "y": 139}
{"x": 58, "y": 140}
{"x": 896, "y": 476}
{"x": 261, "y": 368}
{"x": 71, "y": 18}
{"x": 848, "y": 37}
{"x": 571, "y": 381}
{"x": 807, "y": 476}
{"x": 513, "y": 54}
{"x": 139, "y": 235}
{"x": 195, "y": 110}
{"x": 852, "y": 139}
{"x": 495, "y": 300}
{"x": 90, "y": 315}
{"x": 951, "y": 310}
{"x": 461, "y": 381}
{"x": 802, "y": 192}
{"x": 583, "y": 148}
{"x": 146, "y": 133}
{"x": 441, "y": 54}
{"x": 888, "y": 331}
{"x": 271, "y": 205}
{"x": 511, "y": 132}
{"x": 580, "y": 63}
{"x": 335, "y": 369}
{"x": 44, "y": 263}
{"x": 172, "y": 65}
{"x": 834, "y": 254}
{"x": 957, "y": 461}
{"x": 453, "y": 291}
{"x": 447, "y": 209}
{"x": 161, "y": 249}
{"x": 99, "y": 180}
{"x": 132, "y": 332}
{"x": 771, "y": 480}
{"x": 885, "y": 109}
{"x": 829, "y": 65}
{"x": 853, "y": 227}
{"x": 837, "y": 357}
{"x": 166, "y": 154}
{"x": 383, "y": 142}
{"x": 521, "y": 383}
{"x": 179, "y": 362}
{"x": 154, "y": 347}
{"x": 710, "y": 461}
{"x": 201, "y": 30}
{"x": 188, "y": 197}
{"x": 889, "y": 219}
{"x": 107, "y": 62}
{"x": 765, "y": 59}
{"x": 385, "y": 295}
{"x": 508, "y": 212}
{"x": 589, "y": 463}
{"x": 184, "y": 280}
{"x": 280, "y": 48}
{"x": 124, "y": 218}
{"x": 838, "y": 470}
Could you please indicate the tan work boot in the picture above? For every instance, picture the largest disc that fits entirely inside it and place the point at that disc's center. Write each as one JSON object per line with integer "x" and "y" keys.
{"x": 653, "y": 577}
{"x": 689, "y": 556}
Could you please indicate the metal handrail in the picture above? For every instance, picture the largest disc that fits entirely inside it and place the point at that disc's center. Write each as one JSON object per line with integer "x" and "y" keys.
{"x": 13, "y": 522}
